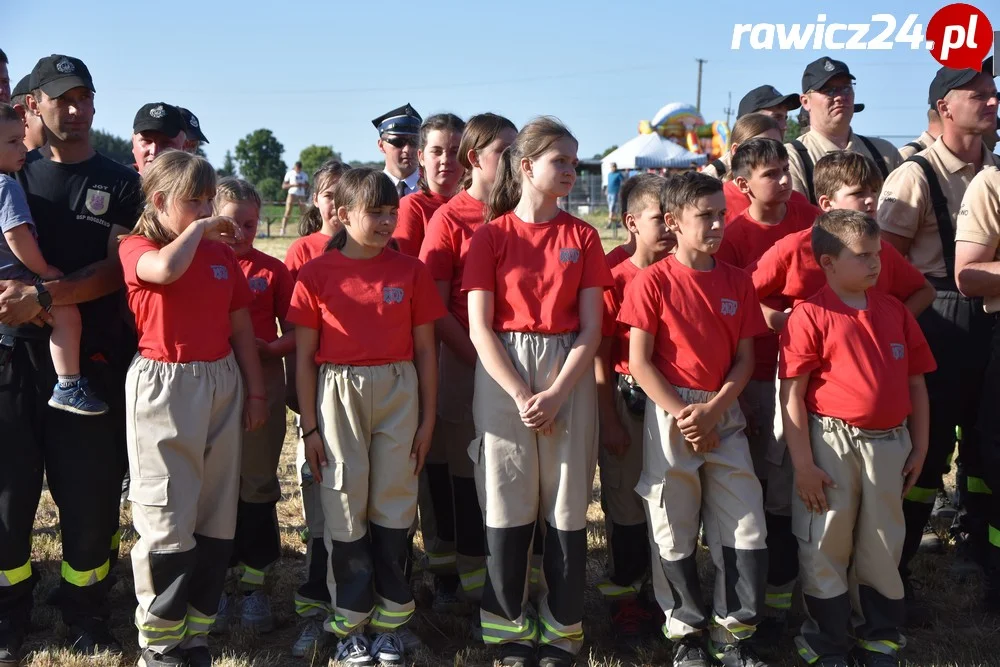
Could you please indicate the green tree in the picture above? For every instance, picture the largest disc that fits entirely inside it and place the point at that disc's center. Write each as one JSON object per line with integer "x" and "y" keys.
{"x": 606, "y": 152}
{"x": 792, "y": 130}
{"x": 358, "y": 164}
{"x": 259, "y": 156}
{"x": 228, "y": 166}
{"x": 313, "y": 156}
{"x": 114, "y": 147}
{"x": 270, "y": 189}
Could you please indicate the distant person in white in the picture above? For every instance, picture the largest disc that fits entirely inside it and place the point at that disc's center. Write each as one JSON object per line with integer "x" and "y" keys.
{"x": 398, "y": 134}
{"x": 296, "y": 182}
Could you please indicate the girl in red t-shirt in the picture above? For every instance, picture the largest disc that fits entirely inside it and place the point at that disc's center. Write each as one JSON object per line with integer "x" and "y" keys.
{"x": 366, "y": 379}
{"x": 319, "y": 223}
{"x": 257, "y": 545}
{"x": 185, "y": 404}
{"x": 440, "y": 175}
{"x": 535, "y": 277}
{"x": 443, "y": 252}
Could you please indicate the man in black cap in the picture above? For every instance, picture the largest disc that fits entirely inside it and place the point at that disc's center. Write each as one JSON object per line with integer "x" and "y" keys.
{"x": 80, "y": 202}
{"x": 398, "y": 135}
{"x": 917, "y": 212}
{"x": 34, "y": 131}
{"x": 828, "y": 96}
{"x": 157, "y": 127}
{"x": 193, "y": 134}
{"x": 762, "y": 99}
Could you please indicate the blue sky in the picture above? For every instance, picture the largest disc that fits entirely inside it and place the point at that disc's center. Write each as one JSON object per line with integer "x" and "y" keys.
{"x": 318, "y": 72}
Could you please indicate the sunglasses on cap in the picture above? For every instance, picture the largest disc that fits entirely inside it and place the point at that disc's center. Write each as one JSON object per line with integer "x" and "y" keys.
{"x": 399, "y": 141}
{"x": 834, "y": 91}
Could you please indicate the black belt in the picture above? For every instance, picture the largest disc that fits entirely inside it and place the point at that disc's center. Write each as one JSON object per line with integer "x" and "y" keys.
{"x": 29, "y": 331}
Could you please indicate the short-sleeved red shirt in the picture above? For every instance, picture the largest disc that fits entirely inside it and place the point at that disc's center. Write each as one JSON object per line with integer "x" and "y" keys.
{"x": 859, "y": 361}
{"x": 790, "y": 269}
{"x": 304, "y": 249}
{"x": 187, "y": 320}
{"x": 743, "y": 243}
{"x": 271, "y": 283}
{"x": 623, "y": 273}
{"x": 446, "y": 245}
{"x": 364, "y": 309}
{"x": 536, "y": 271}
{"x": 415, "y": 212}
{"x": 617, "y": 255}
{"x": 697, "y": 317}
{"x": 737, "y": 202}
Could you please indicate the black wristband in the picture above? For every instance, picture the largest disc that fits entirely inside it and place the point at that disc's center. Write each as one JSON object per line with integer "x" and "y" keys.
{"x": 305, "y": 435}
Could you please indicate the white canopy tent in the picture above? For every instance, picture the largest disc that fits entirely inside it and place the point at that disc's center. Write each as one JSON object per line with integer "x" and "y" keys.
{"x": 649, "y": 151}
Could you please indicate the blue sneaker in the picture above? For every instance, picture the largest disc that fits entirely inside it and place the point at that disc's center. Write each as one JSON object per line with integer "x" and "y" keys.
{"x": 77, "y": 398}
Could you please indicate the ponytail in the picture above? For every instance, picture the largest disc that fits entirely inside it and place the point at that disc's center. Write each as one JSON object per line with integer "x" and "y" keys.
{"x": 311, "y": 221}
{"x": 338, "y": 241}
{"x": 506, "y": 192}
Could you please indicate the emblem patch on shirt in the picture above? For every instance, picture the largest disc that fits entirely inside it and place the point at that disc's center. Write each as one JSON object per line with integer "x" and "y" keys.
{"x": 97, "y": 201}
{"x": 64, "y": 66}
{"x": 220, "y": 272}
{"x": 392, "y": 294}
{"x": 257, "y": 284}
{"x": 569, "y": 255}
{"x": 729, "y": 307}
{"x": 898, "y": 351}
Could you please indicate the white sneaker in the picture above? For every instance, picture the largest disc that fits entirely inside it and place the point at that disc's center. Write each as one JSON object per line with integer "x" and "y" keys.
{"x": 310, "y": 639}
{"x": 388, "y": 650}
{"x": 353, "y": 650}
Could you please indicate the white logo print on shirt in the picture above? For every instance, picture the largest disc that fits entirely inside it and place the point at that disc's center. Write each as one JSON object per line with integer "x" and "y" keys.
{"x": 258, "y": 284}
{"x": 220, "y": 272}
{"x": 898, "y": 351}
{"x": 729, "y": 307}
{"x": 569, "y": 255}
{"x": 392, "y": 294}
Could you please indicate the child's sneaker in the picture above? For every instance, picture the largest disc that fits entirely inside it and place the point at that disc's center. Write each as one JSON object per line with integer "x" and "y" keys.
{"x": 255, "y": 612}
{"x": 690, "y": 652}
{"x": 353, "y": 650}
{"x": 310, "y": 638}
{"x": 739, "y": 654}
{"x": 77, "y": 398}
{"x": 221, "y": 622}
{"x": 388, "y": 650}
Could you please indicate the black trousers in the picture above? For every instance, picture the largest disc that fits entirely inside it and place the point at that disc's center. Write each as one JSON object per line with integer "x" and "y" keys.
{"x": 83, "y": 459}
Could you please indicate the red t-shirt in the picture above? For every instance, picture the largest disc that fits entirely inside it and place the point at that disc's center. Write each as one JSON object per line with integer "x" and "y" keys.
{"x": 536, "y": 271}
{"x": 414, "y": 213}
{"x": 790, "y": 269}
{"x": 737, "y": 202}
{"x": 623, "y": 273}
{"x": 697, "y": 317}
{"x": 303, "y": 249}
{"x": 617, "y": 255}
{"x": 187, "y": 320}
{"x": 364, "y": 309}
{"x": 743, "y": 243}
{"x": 271, "y": 283}
{"x": 446, "y": 245}
{"x": 859, "y": 361}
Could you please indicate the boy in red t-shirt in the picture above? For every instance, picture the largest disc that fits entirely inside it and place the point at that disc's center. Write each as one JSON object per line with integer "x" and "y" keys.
{"x": 852, "y": 395}
{"x": 693, "y": 322}
{"x": 621, "y": 405}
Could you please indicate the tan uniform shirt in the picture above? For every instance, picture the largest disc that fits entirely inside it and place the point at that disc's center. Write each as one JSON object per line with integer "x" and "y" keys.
{"x": 905, "y": 206}
{"x": 925, "y": 140}
{"x": 979, "y": 218}
{"x": 818, "y": 146}
{"x": 710, "y": 169}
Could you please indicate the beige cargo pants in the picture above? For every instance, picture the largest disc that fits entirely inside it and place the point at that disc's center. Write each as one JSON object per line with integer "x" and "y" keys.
{"x": 523, "y": 475}
{"x": 367, "y": 417}
{"x": 849, "y": 556}
{"x": 682, "y": 489}
{"x": 184, "y": 429}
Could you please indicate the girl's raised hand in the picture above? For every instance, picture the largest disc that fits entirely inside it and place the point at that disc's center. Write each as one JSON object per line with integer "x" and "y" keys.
{"x": 220, "y": 228}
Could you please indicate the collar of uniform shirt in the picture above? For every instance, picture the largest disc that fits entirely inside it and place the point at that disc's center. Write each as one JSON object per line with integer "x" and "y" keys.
{"x": 952, "y": 162}
{"x": 411, "y": 180}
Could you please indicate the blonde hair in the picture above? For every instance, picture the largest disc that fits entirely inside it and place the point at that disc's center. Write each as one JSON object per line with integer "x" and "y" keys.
{"x": 532, "y": 141}
{"x": 175, "y": 174}
{"x": 232, "y": 190}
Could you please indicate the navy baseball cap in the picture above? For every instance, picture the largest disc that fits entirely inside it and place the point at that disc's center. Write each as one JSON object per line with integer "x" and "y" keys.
{"x": 947, "y": 79}
{"x": 56, "y": 74}
{"x": 818, "y": 72}
{"x": 158, "y": 117}
{"x": 192, "y": 126}
{"x": 765, "y": 97}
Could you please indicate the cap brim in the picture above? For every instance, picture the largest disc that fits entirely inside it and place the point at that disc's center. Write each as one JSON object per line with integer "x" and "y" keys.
{"x": 858, "y": 108}
{"x": 402, "y": 132}
{"x": 790, "y": 102}
{"x": 152, "y": 126}
{"x": 60, "y": 87}
{"x": 823, "y": 81}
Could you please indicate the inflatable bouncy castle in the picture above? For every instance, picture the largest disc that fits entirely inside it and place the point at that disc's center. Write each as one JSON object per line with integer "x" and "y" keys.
{"x": 683, "y": 124}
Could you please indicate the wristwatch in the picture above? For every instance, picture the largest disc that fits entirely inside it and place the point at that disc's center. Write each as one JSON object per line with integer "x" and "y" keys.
{"x": 43, "y": 296}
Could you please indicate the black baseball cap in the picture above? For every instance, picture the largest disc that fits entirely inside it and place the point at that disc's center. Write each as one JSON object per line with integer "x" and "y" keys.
{"x": 947, "y": 79}
{"x": 765, "y": 97}
{"x": 192, "y": 126}
{"x": 56, "y": 74}
{"x": 818, "y": 72}
{"x": 402, "y": 120}
{"x": 23, "y": 86}
{"x": 158, "y": 117}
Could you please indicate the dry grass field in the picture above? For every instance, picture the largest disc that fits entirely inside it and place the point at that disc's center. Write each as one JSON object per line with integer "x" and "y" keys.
{"x": 962, "y": 635}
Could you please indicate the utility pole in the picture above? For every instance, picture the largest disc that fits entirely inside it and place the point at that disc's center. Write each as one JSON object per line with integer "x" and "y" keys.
{"x": 700, "y": 61}
{"x": 729, "y": 108}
